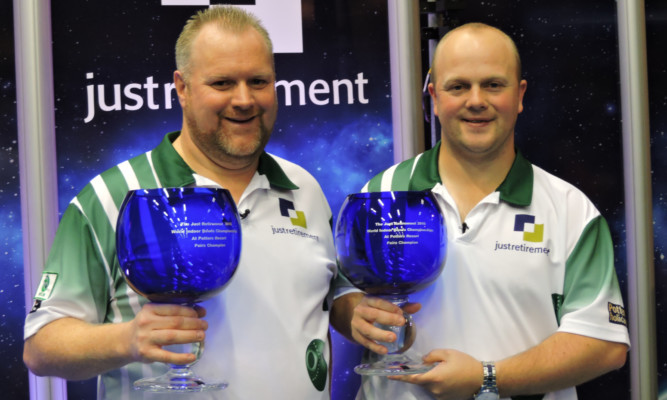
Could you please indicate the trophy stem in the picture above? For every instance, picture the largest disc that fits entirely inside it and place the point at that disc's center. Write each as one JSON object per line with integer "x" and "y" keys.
{"x": 399, "y": 300}
{"x": 179, "y": 378}
{"x": 400, "y": 360}
{"x": 405, "y": 334}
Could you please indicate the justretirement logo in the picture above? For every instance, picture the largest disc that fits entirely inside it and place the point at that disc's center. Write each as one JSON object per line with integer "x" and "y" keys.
{"x": 531, "y": 232}
{"x": 283, "y": 20}
{"x": 296, "y": 218}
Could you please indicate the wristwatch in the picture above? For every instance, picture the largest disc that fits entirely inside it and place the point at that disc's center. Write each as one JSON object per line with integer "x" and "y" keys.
{"x": 489, "y": 389}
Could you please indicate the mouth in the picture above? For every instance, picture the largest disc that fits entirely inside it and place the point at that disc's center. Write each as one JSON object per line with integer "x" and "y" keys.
{"x": 477, "y": 121}
{"x": 241, "y": 120}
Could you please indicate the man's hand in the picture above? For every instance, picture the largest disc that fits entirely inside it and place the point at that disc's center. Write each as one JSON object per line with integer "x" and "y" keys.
{"x": 372, "y": 310}
{"x": 159, "y": 325}
{"x": 457, "y": 375}
{"x": 73, "y": 349}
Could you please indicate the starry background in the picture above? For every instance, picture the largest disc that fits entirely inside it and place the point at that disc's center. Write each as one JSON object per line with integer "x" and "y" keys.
{"x": 571, "y": 125}
{"x": 13, "y": 374}
{"x": 656, "y": 32}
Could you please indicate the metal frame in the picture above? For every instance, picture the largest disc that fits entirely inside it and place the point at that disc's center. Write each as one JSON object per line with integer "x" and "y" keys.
{"x": 638, "y": 199}
{"x": 37, "y": 155}
{"x": 405, "y": 58}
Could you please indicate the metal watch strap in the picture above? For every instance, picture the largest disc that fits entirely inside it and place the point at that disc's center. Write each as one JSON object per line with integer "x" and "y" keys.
{"x": 489, "y": 383}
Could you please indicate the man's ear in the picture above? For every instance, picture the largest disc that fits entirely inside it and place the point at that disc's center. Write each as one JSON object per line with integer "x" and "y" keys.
{"x": 180, "y": 85}
{"x": 434, "y": 95}
{"x": 523, "y": 84}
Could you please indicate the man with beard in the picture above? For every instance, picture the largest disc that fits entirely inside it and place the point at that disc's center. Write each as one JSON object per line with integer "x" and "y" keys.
{"x": 275, "y": 311}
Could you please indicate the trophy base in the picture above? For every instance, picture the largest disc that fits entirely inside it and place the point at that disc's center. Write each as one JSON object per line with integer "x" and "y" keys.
{"x": 393, "y": 364}
{"x": 179, "y": 380}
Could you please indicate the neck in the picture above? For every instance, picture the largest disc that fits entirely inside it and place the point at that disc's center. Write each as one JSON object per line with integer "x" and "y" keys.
{"x": 470, "y": 179}
{"x": 233, "y": 175}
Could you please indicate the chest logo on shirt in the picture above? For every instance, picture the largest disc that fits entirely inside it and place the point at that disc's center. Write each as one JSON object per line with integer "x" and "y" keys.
{"x": 298, "y": 218}
{"x": 532, "y": 232}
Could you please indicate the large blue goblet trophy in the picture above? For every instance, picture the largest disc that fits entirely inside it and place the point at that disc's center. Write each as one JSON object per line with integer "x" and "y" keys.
{"x": 178, "y": 246}
{"x": 392, "y": 244}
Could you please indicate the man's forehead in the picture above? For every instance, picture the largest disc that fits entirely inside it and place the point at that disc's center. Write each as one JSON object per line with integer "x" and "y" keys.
{"x": 478, "y": 37}
{"x": 482, "y": 49}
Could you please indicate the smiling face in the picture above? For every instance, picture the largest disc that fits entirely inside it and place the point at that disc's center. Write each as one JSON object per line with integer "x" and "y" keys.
{"x": 477, "y": 95}
{"x": 228, "y": 95}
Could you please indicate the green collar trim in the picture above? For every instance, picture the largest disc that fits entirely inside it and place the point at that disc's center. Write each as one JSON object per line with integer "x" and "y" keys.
{"x": 516, "y": 189}
{"x": 174, "y": 172}
{"x": 169, "y": 165}
{"x": 269, "y": 166}
{"x": 426, "y": 174}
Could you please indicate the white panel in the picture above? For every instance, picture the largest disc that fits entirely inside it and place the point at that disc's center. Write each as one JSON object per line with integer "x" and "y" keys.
{"x": 282, "y": 19}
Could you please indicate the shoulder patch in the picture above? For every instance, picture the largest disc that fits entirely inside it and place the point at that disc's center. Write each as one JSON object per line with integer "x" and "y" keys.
{"x": 46, "y": 285}
{"x": 617, "y": 314}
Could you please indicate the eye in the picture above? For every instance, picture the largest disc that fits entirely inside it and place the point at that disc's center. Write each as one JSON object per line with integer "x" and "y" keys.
{"x": 455, "y": 87}
{"x": 495, "y": 86}
{"x": 258, "y": 83}
{"x": 222, "y": 84}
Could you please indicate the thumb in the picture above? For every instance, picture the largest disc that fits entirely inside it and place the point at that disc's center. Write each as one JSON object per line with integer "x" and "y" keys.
{"x": 435, "y": 356}
{"x": 412, "y": 308}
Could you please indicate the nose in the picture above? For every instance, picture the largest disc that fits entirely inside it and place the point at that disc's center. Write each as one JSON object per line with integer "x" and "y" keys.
{"x": 243, "y": 97}
{"x": 476, "y": 99}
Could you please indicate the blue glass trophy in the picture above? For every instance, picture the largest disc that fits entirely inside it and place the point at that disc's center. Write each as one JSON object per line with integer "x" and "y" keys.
{"x": 178, "y": 246}
{"x": 392, "y": 244}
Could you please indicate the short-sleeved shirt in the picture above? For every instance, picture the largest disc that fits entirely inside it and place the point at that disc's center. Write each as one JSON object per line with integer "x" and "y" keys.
{"x": 268, "y": 329}
{"x": 535, "y": 257}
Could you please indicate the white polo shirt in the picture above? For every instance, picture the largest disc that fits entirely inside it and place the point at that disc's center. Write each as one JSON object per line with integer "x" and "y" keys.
{"x": 536, "y": 258}
{"x": 268, "y": 329}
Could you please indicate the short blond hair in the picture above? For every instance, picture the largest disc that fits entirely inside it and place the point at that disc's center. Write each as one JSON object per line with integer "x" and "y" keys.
{"x": 228, "y": 18}
{"x": 477, "y": 26}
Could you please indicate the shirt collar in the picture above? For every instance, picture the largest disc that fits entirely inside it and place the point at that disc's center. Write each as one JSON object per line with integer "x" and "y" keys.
{"x": 516, "y": 189}
{"x": 174, "y": 172}
{"x": 269, "y": 167}
{"x": 426, "y": 174}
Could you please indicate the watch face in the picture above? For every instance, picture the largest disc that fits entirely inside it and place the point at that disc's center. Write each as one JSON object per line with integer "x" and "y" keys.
{"x": 487, "y": 396}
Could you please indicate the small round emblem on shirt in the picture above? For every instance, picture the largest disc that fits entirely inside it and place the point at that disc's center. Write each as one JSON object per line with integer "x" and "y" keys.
{"x": 316, "y": 364}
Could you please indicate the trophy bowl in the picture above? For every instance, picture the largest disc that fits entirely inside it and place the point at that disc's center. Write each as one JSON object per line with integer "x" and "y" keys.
{"x": 178, "y": 246}
{"x": 389, "y": 245}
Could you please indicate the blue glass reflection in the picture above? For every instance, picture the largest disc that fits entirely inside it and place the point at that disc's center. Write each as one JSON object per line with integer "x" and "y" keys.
{"x": 391, "y": 243}
{"x": 178, "y": 245}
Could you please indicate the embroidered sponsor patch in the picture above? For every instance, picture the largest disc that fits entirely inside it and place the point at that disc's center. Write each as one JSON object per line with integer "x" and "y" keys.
{"x": 617, "y": 314}
{"x": 46, "y": 285}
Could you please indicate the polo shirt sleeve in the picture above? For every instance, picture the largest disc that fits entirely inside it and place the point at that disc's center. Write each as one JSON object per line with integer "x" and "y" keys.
{"x": 80, "y": 289}
{"x": 592, "y": 304}
{"x": 342, "y": 286}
